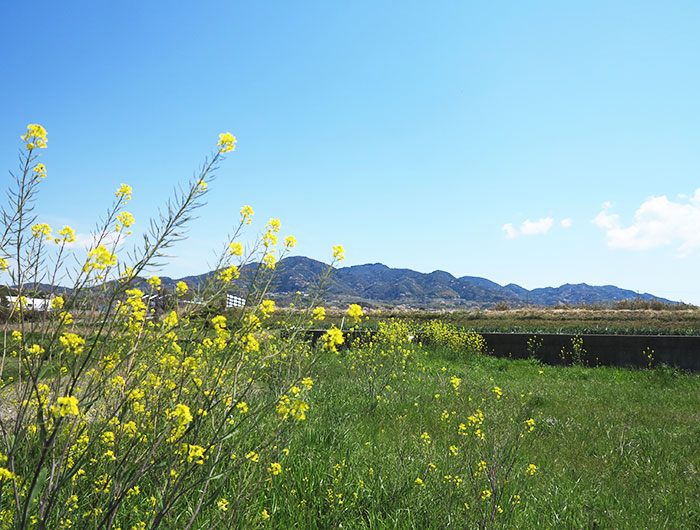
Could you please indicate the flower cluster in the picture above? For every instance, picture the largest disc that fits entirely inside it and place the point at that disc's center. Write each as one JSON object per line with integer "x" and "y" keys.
{"x": 35, "y": 136}
{"x": 332, "y": 339}
{"x": 66, "y": 406}
{"x": 40, "y": 171}
{"x": 67, "y": 235}
{"x": 99, "y": 258}
{"x": 41, "y": 230}
{"x": 227, "y": 142}
{"x": 355, "y": 312}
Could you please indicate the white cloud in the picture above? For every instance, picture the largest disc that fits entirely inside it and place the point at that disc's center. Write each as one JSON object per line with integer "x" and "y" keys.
{"x": 542, "y": 226}
{"x": 565, "y": 223}
{"x": 606, "y": 221}
{"x": 509, "y": 230}
{"x": 528, "y": 228}
{"x": 657, "y": 222}
{"x": 87, "y": 241}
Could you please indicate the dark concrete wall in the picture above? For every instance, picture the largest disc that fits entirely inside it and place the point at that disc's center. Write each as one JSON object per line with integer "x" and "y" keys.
{"x": 606, "y": 350}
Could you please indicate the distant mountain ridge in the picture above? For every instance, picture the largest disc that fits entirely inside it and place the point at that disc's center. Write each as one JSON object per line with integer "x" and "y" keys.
{"x": 376, "y": 283}
{"x": 379, "y": 285}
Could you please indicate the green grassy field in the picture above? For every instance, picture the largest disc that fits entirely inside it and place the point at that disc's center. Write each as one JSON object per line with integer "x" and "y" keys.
{"x": 613, "y": 448}
{"x": 401, "y": 435}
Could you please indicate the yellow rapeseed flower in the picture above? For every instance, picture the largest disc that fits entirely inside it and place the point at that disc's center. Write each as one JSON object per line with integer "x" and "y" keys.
{"x": 274, "y": 225}
{"x": 339, "y": 252}
{"x": 332, "y": 339}
{"x": 67, "y": 235}
{"x": 355, "y": 311}
{"x": 319, "y": 313}
{"x": 250, "y": 343}
{"x": 195, "y": 453}
{"x": 236, "y": 249}
{"x": 295, "y": 408}
{"x": 41, "y": 230}
{"x": 269, "y": 260}
{"x": 227, "y": 142}
{"x": 123, "y": 193}
{"x": 108, "y": 438}
{"x": 267, "y": 307}
{"x": 181, "y": 288}
{"x": 125, "y": 220}
{"x": 20, "y": 303}
{"x": 72, "y": 342}
{"x": 269, "y": 239}
{"x": 35, "y": 136}
{"x": 40, "y": 170}
{"x": 170, "y": 320}
{"x": 228, "y": 275}
{"x": 180, "y": 415}
{"x": 35, "y": 350}
{"x": 6, "y": 474}
{"x": 66, "y": 406}
{"x": 99, "y": 258}
{"x": 247, "y": 214}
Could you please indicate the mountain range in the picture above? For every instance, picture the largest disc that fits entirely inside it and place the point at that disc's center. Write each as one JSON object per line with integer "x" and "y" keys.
{"x": 375, "y": 284}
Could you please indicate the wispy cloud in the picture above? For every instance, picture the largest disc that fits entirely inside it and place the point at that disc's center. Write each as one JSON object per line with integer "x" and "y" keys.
{"x": 88, "y": 241}
{"x": 657, "y": 222}
{"x": 528, "y": 228}
{"x": 509, "y": 230}
{"x": 565, "y": 223}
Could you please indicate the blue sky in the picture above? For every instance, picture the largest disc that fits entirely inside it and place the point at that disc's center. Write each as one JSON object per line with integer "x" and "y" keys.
{"x": 427, "y": 135}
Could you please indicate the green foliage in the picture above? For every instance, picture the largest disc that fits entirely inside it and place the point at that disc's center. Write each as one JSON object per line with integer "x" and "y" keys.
{"x": 443, "y": 334}
{"x": 120, "y": 409}
{"x": 577, "y": 354}
{"x": 534, "y": 345}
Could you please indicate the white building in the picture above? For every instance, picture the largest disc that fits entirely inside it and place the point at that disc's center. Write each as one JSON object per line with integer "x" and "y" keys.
{"x": 38, "y": 304}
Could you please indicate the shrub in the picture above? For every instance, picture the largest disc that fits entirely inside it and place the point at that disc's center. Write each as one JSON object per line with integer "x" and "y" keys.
{"x": 116, "y": 415}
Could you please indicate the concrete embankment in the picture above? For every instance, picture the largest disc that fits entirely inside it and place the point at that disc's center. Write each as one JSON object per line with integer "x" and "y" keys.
{"x": 639, "y": 351}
